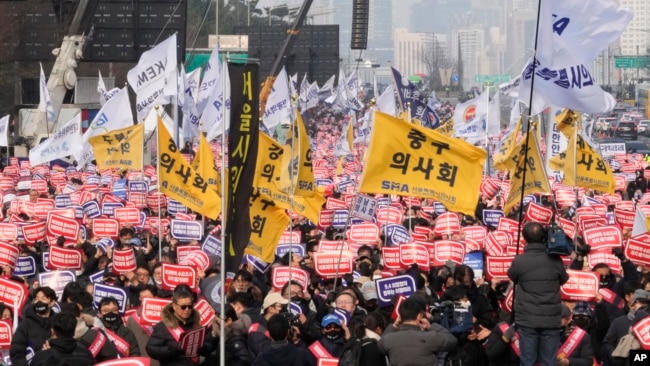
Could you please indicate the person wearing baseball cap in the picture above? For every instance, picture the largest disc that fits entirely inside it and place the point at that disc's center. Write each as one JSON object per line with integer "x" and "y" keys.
{"x": 575, "y": 332}
{"x": 621, "y": 325}
{"x": 333, "y": 338}
{"x": 258, "y": 339}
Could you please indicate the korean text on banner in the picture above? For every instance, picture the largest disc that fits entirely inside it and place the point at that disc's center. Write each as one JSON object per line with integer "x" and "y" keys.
{"x": 119, "y": 148}
{"x": 268, "y": 222}
{"x": 204, "y": 164}
{"x": 592, "y": 170}
{"x": 414, "y": 161}
{"x": 242, "y": 155}
{"x": 180, "y": 181}
{"x": 64, "y": 142}
{"x": 297, "y": 172}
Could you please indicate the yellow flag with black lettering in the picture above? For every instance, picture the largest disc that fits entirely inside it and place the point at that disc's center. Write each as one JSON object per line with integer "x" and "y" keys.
{"x": 592, "y": 171}
{"x": 179, "y": 181}
{"x": 268, "y": 222}
{"x": 267, "y": 179}
{"x": 121, "y": 148}
{"x": 297, "y": 171}
{"x": 411, "y": 160}
{"x": 447, "y": 128}
{"x": 506, "y": 149}
{"x": 536, "y": 178}
{"x": 566, "y": 122}
{"x": 203, "y": 163}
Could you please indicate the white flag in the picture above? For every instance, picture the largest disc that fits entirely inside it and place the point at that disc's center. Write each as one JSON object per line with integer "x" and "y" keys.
{"x": 343, "y": 146}
{"x": 154, "y": 77}
{"x": 193, "y": 82}
{"x": 556, "y": 143}
{"x": 308, "y": 95}
{"x": 216, "y": 111}
{"x": 639, "y": 227}
{"x": 186, "y": 102}
{"x": 386, "y": 101}
{"x": 105, "y": 95}
{"x": 352, "y": 92}
{"x": 45, "y": 103}
{"x": 114, "y": 115}
{"x": 278, "y": 106}
{"x": 66, "y": 141}
{"x": 211, "y": 80}
{"x": 470, "y": 118}
{"x": 326, "y": 91}
{"x": 363, "y": 132}
{"x": 4, "y": 130}
{"x": 494, "y": 115}
{"x": 293, "y": 83}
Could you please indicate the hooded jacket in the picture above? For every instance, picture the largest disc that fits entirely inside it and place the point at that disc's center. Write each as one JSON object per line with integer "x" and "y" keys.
{"x": 63, "y": 350}
{"x": 29, "y": 337}
{"x": 284, "y": 354}
{"x": 162, "y": 345}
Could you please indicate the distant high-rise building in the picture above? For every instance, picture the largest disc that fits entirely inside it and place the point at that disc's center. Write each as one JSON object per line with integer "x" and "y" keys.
{"x": 380, "y": 31}
{"x": 410, "y": 51}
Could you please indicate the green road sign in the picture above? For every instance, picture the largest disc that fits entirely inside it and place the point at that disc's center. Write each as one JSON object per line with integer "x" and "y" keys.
{"x": 483, "y": 79}
{"x": 633, "y": 62}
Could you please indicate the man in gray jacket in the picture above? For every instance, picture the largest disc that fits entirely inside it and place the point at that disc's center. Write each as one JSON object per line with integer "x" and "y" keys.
{"x": 412, "y": 340}
{"x": 538, "y": 308}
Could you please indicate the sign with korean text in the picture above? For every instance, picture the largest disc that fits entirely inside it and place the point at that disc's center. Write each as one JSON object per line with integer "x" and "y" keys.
{"x": 388, "y": 288}
{"x": 121, "y": 148}
{"x": 280, "y": 276}
{"x": 174, "y": 275}
{"x": 13, "y": 293}
{"x": 124, "y": 261}
{"x": 603, "y": 237}
{"x": 101, "y": 291}
{"x": 187, "y": 230}
{"x": 106, "y": 228}
{"x": 328, "y": 264}
{"x": 497, "y": 267}
{"x": 152, "y": 309}
{"x": 582, "y": 286}
{"x": 447, "y": 250}
{"x": 63, "y": 258}
{"x": 56, "y": 280}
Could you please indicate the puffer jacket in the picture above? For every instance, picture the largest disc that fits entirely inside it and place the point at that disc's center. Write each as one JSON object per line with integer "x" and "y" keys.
{"x": 409, "y": 345}
{"x": 538, "y": 277}
{"x": 162, "y": 345}
{"x": 63, "y": 351}
{"x": 29, "y": 337}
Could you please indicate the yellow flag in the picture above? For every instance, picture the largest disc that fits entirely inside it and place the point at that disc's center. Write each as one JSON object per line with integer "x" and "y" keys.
{"x": 593, "y": 172}
{"x": 447, "y": 128}
{"x": 507, "y": 148}
{"x": 119, "y": 148}
{"x": 203, "y": 163}
{"x": 566, "y": 122}
{"x": 411, "y": 160}
{"x": 179, "y": 181}
{"x": 536, "y": 178}
{"x": 267, "y": 178}
{"x": 350, "y": 135}
{"x": 297, "y": 170}
{"x": 268, "y": 222}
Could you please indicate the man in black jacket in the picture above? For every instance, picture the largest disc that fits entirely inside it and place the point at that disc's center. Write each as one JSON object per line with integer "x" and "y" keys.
{"x": 35, "y": 328}
{"x": 538, "y": 308}
{"x": 62, "y": 348}
{"x": 281, "y": 352}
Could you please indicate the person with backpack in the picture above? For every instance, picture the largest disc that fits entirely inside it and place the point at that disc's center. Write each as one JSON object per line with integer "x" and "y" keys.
{"x": 362, "y": 349}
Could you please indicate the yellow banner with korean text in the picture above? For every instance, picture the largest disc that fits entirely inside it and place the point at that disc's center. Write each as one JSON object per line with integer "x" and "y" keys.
{"x": 268, "y": 222}
{"x": 536, "y": 179}
{"x": 297, "y": 171}
{"x": 179, "y": 181}
{"x": 592, "y": 170}
{"x": 566, "y": 122}
{"x": 121, "y": 148}
{"x": 204, "y": 164}
{"x": 268, "y": 176}
{"x": 411, "y": 160}
{"x": 506, "y": 149}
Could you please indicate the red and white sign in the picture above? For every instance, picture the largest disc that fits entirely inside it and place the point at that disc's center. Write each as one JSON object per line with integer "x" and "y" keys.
{"x": 127, "y": 361}
{"x": 565, "y": 198}
{"x": 414, "y": 253}
{"x": 624, "y": 218}
{"x": 326, "y": 218}
{"x": 447, "y": 224}
{"x": 582, "y": 286}
{"x": 13, "y": 293}
{"x": 332, "y": 245}
{"x": 508, "y": 225}
{"x": 496, "y": 241}
{"x": 364, "y": 232}
{"x": 191, "y": 341}
{"x": 174, "y": 275}
{"x": 497, "y": 267}
{"x": 568, "y": 226}
{"x": 472, "y": 245}
{"x": 43, "y": 208}
{"x": 591, "y": 223}
{"x": 127, "y": 215}
{"x": 64, "y": 258}
{"x": 599, "y": 209}
{"x": 390, "y": 255}
{"x": 327, "y": 263}
{"x": 34, "y": 232}
{"x": 106, "y": 228}
{"x": 335, "y": 204}
{"x": 448, "y": 250}
{"x": 280, "y": 276}
{"x": 124, "y": 261}
{"x": 604, "y": 237}
{"x": 490, "y": 187}
{"x": 8, "y": 254}
{"x": 6, "y": 334}
{"x": 477, "y": 233}
{"x": 183, "y": 252}
{"x": 63, "y": 226}
{"x": 624, "y": 205}
{"x": 152, "y": 310}
{"x": 197, "y": 259}
{"x": 8, "y": 231}
{"x": 604, "y": 256}
{"x": 539, "y": 213}
{"x": 389, "y": 215}
{"x": 619, "y": 182}
{"x": 641, "y": 331}
{"x": 290, "y": 237}
{"x": 205, "y": 311}
{"x": 638, "y": 251}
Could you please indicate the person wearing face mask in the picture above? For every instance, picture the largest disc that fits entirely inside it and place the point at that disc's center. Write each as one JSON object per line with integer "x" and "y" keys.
{"x": 258, "y": 339}
{"x": 309, "y": 328}
{"x": 35, "y": 327}
{"x": 621, "y": 326}
{"x": 576, "y": 348}
{"x": 335, "y": 334}
{"x": 61, "y": 347}
{"x": 89, "y": 335}
{"x": 122, "y": 337}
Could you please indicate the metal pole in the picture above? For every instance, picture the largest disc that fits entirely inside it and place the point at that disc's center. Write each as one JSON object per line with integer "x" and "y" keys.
{"x": 224, "y": 197}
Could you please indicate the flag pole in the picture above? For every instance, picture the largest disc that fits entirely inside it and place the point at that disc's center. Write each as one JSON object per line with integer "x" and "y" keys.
{"x": 160, "y": 232}
{"x": 523, "y": 178}
{"x": 224, "y": 198}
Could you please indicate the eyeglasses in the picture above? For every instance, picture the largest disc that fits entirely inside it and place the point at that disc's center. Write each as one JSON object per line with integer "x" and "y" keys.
{"x": 185, "y": 307}
{"x": 344, "y": 302}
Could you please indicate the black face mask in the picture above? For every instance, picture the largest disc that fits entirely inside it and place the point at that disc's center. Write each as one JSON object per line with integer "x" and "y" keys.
{"x": 604, "y": 281}
{"x": 41, "y": 308}
{"x": 333, "y": 335}
{"x": 111, "y": 318}
{"x": 581, "y": 322}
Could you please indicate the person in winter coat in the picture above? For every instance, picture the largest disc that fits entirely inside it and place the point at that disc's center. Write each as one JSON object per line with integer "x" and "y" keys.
{"x": 333, "y": 339}
{"x": 369, "y": 333}
{"x": 282, "y": 352}
{"x": 621, "y": 326}
{"x": 501, "y": 346}
{"x": 411, "y": 340}
{"x": 123, "y": 338}
{"x": 140, "y": 330}
{"x": 177, "y": 317}
{"x": 576, "y": 328}
{"x": 236, "y": 330}
{"x": 538, "y": 308}
{"x": 62, "y": 349}
{"x": 35, "y": 328}
{"x": 258, "y": 337}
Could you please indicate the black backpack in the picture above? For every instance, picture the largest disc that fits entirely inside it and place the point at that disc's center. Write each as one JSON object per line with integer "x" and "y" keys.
{"x": 352, "y": 353}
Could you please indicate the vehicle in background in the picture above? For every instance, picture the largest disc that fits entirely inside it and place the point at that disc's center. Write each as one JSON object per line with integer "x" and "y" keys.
{"x": 602, "y": 123}
{"x": 637, "y": 147}
{"x": 642, "y": 127}
{"x": 623, "y": 130}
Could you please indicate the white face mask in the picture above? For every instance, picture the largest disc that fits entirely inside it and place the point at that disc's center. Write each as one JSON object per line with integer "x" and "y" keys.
{"x": 465, "y": 304}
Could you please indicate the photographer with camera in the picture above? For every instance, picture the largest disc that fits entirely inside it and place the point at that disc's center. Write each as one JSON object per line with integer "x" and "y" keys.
{"x": 258, "y": 337}
{"x": 537, "y": 305}
{"x": 281, "y": 351}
